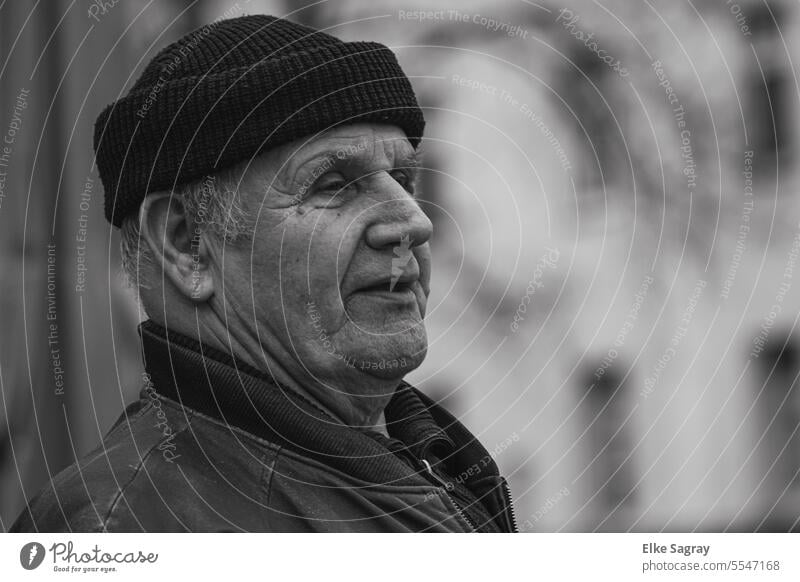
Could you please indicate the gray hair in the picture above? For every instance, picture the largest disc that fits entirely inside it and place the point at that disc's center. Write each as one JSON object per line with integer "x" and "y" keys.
{"x": 213, "y": 204}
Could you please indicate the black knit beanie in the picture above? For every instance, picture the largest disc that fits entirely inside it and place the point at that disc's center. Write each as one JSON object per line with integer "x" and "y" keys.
{"x": 229, "y": 90}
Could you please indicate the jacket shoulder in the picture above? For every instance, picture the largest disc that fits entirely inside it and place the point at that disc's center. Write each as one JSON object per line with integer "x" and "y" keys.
{"x": 80, "y": 496}
{"x": 160, "y": 468}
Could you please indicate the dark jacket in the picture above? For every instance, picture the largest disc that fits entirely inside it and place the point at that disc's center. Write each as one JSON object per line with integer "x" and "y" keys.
{"x": 214, "y": 445}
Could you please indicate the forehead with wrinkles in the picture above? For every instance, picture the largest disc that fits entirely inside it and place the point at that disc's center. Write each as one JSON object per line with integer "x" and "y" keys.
{"x": 358, "y": 148}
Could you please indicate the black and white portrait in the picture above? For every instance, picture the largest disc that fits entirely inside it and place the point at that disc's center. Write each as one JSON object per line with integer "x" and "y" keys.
{"x": 384, "y": 266}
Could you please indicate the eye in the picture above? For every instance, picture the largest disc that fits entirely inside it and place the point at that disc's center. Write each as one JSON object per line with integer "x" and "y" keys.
{"x": 404, "y": 178}
{"x": 331, "y": 183}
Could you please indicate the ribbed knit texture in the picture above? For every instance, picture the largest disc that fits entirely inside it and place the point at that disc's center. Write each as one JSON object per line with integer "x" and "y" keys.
{"x": 230, "y": 90}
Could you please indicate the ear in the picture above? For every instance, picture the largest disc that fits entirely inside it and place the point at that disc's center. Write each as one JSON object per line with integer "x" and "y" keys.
{"x": 178, "y": 245}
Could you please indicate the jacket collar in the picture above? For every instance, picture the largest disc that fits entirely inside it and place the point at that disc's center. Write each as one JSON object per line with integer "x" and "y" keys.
{"x": 221, "y": 386}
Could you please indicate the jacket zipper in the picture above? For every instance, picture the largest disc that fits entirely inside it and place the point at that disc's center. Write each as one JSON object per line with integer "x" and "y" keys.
{"x": 449, "y": 487}
{"x": 510, "y": 507}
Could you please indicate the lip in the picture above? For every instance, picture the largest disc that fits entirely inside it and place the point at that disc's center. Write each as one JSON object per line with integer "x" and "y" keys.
{"x": 391, "y": 286}
{"x": 402, "y": 292}
{"x": 402, "y": 296}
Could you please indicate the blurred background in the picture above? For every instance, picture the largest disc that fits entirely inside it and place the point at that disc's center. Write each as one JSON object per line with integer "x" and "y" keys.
{"x": 617, "y": 231}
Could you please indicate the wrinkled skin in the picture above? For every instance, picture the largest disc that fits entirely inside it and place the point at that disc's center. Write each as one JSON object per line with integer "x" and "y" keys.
{"x": 330, "y": 294}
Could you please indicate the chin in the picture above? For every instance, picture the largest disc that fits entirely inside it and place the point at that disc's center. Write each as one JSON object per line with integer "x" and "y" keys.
{"x": 390, "y": 356}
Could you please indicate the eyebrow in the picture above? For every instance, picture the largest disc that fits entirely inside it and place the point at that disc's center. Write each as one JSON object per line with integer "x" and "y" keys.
{"x": 412, "y": 159}
{"x": 407, "y": 159}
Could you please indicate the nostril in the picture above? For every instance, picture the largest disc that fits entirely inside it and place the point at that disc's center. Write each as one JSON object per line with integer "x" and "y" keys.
{"x": 406, "y": 234}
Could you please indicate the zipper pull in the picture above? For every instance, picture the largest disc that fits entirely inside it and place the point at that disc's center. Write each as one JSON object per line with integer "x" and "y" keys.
{"x": 446, "y": 484}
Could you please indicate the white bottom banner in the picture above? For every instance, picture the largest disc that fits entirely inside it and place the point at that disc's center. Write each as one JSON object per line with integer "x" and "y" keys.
{"x": 378, "y": 558}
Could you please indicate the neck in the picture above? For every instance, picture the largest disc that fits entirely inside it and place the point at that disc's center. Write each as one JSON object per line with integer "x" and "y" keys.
{"x": 334, "y": 396}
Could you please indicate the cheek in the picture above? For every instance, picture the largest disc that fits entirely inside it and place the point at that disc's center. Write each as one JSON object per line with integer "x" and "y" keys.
{"x": 251, "y": 282}
{"x": 326, "y": 259}
{"x": 260, "y": 276}
{"x": 303, "y": 260}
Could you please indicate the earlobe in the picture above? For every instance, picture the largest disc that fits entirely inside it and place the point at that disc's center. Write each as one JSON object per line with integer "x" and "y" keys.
{"x": 178, "y": 245}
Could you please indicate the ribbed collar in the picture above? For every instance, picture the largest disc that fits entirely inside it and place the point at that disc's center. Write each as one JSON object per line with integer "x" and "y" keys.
{"x": 219, "y": 385}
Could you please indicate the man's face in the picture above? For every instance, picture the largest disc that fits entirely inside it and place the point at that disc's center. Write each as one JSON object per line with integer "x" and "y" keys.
{"x": 338, "y": 273}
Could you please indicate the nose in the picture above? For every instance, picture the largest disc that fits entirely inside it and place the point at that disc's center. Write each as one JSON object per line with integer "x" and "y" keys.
{"x": 398, "y": 218}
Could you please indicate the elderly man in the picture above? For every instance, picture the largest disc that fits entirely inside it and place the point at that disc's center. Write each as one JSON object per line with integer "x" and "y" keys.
{"x": 263, "y": 177}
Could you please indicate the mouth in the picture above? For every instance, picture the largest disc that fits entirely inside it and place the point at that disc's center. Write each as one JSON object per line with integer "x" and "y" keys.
{"x": 389, "y": 286}
{"x": 401, "y": 290}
